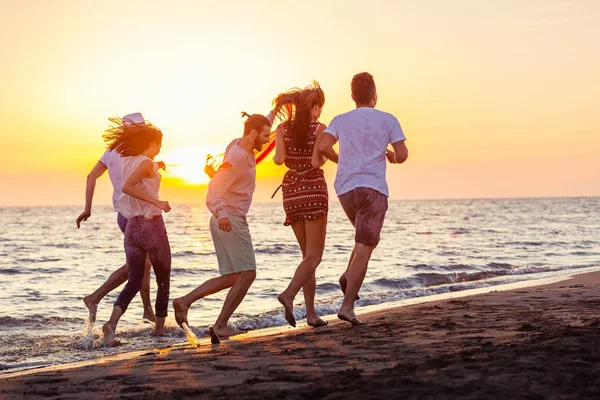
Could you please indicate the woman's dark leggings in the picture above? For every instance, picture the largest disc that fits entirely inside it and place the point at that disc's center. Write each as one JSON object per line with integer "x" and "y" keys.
{"x": 147, "y": 236}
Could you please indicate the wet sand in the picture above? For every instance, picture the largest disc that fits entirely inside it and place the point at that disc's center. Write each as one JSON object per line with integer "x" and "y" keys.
{"x": 540, "y": 342}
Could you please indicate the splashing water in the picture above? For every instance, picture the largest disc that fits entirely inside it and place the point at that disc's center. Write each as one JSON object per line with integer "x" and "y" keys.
{"x": 87, "y": 341}
{"x": 191, "y": 336}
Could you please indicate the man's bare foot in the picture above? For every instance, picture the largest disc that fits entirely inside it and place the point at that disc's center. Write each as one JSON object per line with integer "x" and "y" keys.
{"x": 316, "y": 322}
{"x": 181, "y": 311}
{"x": 109, "y": 336}
{"x": 226, "y": 331}
{"x": 288, "y": 306}
{"x": 349, "y": 316}
{"x": 343, "y": 284}
{"x": 92, "y": 307}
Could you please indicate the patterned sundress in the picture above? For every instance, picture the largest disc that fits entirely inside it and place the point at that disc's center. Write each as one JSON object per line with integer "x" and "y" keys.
{"x": 304, "y": 188}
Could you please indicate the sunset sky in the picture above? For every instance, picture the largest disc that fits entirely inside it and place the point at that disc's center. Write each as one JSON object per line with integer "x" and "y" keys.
{"x": 497, "y": 99}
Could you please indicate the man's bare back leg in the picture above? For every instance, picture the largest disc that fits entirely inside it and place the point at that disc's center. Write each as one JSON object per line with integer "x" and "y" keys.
{"x": 182, "y": 304}
{"x": 232, "y": 301}
{"x": 355, "y": 276}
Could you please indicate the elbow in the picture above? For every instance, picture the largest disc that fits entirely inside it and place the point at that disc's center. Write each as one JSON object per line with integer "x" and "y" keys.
{"x": 400, "y": 158}
{"x": 278, "y": 160}
{"x": 126, "y": 189}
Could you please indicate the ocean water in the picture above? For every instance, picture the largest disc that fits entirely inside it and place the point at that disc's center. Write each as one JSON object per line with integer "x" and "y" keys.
{"x": 428, "y": 247}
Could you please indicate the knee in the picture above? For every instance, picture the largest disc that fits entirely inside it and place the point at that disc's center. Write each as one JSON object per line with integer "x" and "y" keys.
{"x": 135, "y": 284}
{"x": 313, "y": 260}
{"x": 248, "y": 276}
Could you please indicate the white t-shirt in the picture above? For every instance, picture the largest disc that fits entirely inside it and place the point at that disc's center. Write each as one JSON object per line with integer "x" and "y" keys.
{"x": 131, "y": 207}
{"x": 364, "y": 134}
{"x": 112, "y": 161}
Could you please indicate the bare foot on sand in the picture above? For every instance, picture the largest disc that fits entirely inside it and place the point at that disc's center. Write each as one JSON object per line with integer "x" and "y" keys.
{"x": 349, "y": 316}
{"x": 149, "y": 315}
{"x": 343, "y": 283}
{"x": 109, "y": 336}
{"x": 288, "y": 306}
{"x": 226, "y": 331}
{"x": 181, "y": 311}
{"x": 92, "y": 307}
{"x": 157, "y": 332}
{"x": 316, "y": 322}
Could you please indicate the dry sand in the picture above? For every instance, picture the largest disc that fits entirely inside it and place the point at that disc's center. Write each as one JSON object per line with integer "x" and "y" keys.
{"x": 534, "y": 343}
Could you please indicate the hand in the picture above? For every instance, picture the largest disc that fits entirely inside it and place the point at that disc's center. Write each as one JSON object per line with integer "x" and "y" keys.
{"x": 83, "y": 217}
{"x": 162, "y": 165}
{"x": 163, "y": 205}
{"x": 225, "y": 224}
{"x": 391, "y": 156}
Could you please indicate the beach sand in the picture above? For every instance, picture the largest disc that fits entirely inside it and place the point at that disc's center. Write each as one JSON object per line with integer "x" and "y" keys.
{"x": 533, "y": 343}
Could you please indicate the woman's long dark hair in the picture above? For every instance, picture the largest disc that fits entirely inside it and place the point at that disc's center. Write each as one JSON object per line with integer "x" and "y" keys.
{"x": 130, "y": 139}
{"x": 294, "y": 108}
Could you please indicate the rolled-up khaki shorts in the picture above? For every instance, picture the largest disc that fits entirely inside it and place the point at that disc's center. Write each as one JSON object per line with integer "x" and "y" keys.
{"x": 234, "y": 249}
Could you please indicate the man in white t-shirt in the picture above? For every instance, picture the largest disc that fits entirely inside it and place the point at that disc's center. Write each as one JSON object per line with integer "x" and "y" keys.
{"x": 364, "y": 135}
{"x": 111, "y": 161}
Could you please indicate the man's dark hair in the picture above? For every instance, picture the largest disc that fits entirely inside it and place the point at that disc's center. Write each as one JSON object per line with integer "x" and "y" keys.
{"x": 363, "y": 88}
{"x": 254, "y": 121}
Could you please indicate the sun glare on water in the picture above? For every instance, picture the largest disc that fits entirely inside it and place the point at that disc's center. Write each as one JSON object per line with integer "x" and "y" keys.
{"x": 187, "y": 163}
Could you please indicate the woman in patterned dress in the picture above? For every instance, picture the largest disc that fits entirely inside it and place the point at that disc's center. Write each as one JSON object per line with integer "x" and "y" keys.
{"x": 305, "y": 198}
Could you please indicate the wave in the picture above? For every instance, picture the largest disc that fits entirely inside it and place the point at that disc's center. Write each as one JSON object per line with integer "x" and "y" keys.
{"x": 192, "y": 253}
{"x": 29, "y": 270}
{"x": 278, "y": 248}
{"x": 38, "y": 320}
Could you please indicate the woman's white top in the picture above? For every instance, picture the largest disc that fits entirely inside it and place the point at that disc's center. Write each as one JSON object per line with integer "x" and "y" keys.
{"x": 131, "y": 207}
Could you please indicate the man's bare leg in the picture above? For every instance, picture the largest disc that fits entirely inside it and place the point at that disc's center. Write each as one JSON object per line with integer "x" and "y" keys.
{"x": 145, "y": 293}
{"x": 211, "y": 286}
{"x": 115, "y": 280}
{"x": 232, "y": 301}
{"x": 343, "y": 278}
{"x": 355, "y": 276}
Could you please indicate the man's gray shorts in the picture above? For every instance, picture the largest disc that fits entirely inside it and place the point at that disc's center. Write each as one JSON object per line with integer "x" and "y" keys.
{"x": 234, "y": 249}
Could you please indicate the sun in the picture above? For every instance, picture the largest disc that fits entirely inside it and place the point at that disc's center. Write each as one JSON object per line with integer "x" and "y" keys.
{"x": 187, "y": 163}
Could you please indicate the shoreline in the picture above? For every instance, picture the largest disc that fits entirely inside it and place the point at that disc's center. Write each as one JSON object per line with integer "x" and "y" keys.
{"x": 534, "y": 336}
{"x": 331, "y": 318}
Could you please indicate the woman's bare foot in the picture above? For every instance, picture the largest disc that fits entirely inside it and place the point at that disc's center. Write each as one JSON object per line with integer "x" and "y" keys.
{"x": 288, "y": 306}
{"x": 343, "y": 282}
{"x": 149, "y": 315}
{"x": 181, "y": 311}
{"x": 92, "y": 307}
{"x": 109, "y": 335}
{"x": 159, "y": 327}
{"x": 226, "y": 331}
{"x": 349, "y": 316}
{"x": 316, "y": 322}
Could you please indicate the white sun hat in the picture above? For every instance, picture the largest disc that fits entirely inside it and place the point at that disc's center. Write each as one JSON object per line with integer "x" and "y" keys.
{"x": 133, "y": 118}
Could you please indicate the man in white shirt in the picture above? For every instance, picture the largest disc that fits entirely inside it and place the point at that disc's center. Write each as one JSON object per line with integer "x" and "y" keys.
{"x": 364, "y": 135}
{"x": 111, "y": 161}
